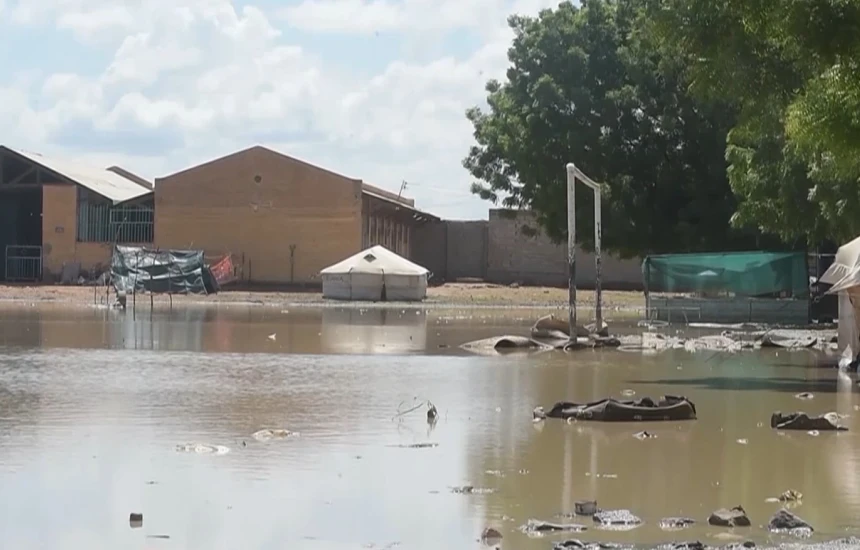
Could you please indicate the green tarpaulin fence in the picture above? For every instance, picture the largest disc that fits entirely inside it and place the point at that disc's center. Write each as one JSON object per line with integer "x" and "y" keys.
{"x": 741, "y": 273}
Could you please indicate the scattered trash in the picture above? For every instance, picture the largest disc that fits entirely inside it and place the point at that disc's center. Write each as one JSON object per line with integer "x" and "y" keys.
{"x": 201, "y": 448}
{"x": 535, "y": 527}
{"x": 471, "y": 490}
{"x": 616, "y": 520}
{"x": 789, "y": 496}
{"x": 676, "y": 524}
{"x": 267, "y": 434}
{"x": 585, "y": 507}
{"x": 785, "y": 522}
{"x": 732, "y": 517}
{"x": 432, "y": 413}
{"x": 668, "y": 407}
{"x": 135, "y": 520}
{"x": 491, "y": 537}
{"x": 644, "y": 435}
{"x": 427, "y": 445}
{"x": 804, "y": 395}
{"x": 273, "y": 337}
{"x": 804, "y": 422}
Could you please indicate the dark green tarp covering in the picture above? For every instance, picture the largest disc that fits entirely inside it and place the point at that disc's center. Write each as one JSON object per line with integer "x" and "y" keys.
{"x": 742, "y": 273}
{"x": 137, "y": 269}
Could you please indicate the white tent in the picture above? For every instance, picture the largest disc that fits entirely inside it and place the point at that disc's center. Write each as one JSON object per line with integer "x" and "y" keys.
{"x": 367, "y": 274}
{"x": 844, "y": 275}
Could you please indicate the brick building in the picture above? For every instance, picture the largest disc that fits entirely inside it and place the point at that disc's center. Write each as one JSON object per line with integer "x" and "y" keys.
{"x": 56, "y": 212}
{"x": 282, "y": 219}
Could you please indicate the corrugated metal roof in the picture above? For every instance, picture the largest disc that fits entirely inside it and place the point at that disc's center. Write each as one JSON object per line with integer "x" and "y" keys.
{"x": 106, "y": 183}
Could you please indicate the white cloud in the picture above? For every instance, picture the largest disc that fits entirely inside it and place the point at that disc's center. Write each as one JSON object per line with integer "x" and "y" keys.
{"x": 188, "y": 80}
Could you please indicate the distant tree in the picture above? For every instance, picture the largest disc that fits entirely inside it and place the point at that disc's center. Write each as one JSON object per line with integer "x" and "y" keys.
{"x": 791, "y": 68}
{"x": 588, "y": 85}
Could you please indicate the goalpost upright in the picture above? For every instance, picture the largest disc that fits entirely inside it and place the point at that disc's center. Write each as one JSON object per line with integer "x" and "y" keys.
{"x": 574, "y": 173}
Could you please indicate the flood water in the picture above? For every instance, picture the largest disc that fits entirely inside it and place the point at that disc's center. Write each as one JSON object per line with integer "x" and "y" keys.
{"x": 94, "y": 403}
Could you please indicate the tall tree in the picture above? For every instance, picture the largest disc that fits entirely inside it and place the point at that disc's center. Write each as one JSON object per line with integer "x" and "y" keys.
{"x": 587, "y": 85}
{"x": 791, "y": 68}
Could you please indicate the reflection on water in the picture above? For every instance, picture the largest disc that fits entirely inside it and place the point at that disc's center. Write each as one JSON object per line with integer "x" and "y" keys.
{"x": 374, "y": 331}
{"x": 93, "y": 405}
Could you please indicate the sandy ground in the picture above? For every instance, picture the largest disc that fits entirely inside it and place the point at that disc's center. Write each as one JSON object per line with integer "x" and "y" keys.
{"x": 453, "y": 294}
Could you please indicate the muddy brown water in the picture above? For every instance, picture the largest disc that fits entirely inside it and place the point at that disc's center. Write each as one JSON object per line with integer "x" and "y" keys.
{"x": 93, "y": 404}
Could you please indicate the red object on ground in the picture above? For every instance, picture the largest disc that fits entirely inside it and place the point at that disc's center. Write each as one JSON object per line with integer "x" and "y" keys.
{"x": 223, "y": 270}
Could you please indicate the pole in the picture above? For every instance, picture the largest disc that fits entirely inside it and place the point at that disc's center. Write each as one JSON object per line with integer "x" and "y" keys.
{"x": 598, "y": 230}
{"x": 571, "y": 248}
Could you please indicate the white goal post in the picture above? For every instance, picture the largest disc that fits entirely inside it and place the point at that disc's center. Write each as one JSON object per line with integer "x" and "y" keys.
{"x": 574, "y": 173}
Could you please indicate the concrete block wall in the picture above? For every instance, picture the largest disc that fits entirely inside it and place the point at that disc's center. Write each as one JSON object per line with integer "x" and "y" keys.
{"x": 518, "y": 255}
{"x": 500, "y": 251}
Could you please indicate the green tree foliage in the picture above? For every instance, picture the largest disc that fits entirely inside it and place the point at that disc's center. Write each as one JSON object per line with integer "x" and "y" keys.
{"x": 587, "y": 85}
{"x": 791, "y": 67}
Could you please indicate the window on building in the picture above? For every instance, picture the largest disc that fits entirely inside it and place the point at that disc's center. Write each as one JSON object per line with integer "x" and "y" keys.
{"x": 99, "y": 221}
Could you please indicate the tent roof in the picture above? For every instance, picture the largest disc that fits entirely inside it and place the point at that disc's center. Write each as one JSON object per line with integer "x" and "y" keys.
{"x": 844, "y": 272}
{"x": 377, "y": 260}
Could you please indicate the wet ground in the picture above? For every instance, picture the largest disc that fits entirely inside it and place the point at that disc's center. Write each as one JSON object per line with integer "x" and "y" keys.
{"x": 94, "y": 403}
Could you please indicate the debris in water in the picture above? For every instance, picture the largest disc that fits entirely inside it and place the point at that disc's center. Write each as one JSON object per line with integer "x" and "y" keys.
{"x": 617, "y": 520}
{"x": 523, "y": 472}
{"x": 201, "y": 448}
{"x": 490, "y": 536}
{"x": 676, "y": 524}
{"x": 497, "y": 473}
{"x": 643, "y": 435}
{"x": 135, "y": 520}
{"x": 804, "y": 395}
{"x": 432, "y": 413}
{"x": 416, "y": 445}
{"x": 534, "y": 527}
{"x": 585, "y": 507}
{"x": 273, "y": 337}
{"x": 267, "y": 434}
{"x": 813, "y": 433}
{"x": 628, "y": 393}
{"x": 785, "y": 522}
{"x": 733, "y": 517}
{"x": 472, "y": 490}
{"x": 787, "y": 496}
{"x": 743, "y": 441}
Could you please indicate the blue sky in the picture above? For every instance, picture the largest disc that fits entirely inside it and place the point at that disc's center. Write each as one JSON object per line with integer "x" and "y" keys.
{"x": 373, "y": 89}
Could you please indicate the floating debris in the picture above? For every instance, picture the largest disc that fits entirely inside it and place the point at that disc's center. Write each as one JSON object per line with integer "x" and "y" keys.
{"x": 616, "y": 520}
{"x": 804, "y": 395}
{"x": 472, "y": 490}
{"x": 267, "y": 434}
{"x": 644, "y": 435}
{"x": 491, "y": 537}
{"x": 535, "y": 527}
{"x": 202, "y": 448}
{"x": 585, "y": 507}
{"x": 676, "y": 524}
{"x": 416, "y": 445}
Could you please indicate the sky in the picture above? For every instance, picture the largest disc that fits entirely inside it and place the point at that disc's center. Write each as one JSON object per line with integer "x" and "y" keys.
{"x": 371, "y": 89}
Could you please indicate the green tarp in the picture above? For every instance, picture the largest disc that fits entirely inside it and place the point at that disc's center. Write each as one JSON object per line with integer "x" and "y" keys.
{"x": 137, "y": 269}
{"x": 741, "y": 273}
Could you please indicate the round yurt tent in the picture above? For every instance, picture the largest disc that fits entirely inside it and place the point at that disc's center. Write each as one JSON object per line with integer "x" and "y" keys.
{"x": 375, "y": 274}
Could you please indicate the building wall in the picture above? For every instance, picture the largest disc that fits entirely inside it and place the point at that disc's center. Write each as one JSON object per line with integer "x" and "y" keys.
{"x": 430, "y": 249}
{"x": 516, "y": 255}
{"x": 499, "y": 251}
{"x": 220, "y": 207}
{"x": 59, "y": 235}
{"x": 381, "y": 225}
